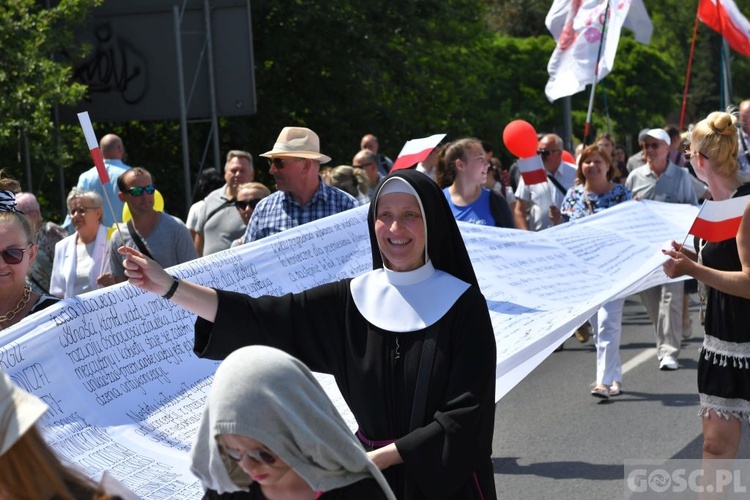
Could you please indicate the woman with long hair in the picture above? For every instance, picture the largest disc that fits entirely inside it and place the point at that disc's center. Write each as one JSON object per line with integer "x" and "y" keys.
{"x": 462, "y": 173}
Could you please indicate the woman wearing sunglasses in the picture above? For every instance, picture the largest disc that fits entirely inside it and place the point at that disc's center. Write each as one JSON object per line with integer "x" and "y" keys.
{"x": 79, "y": 257}
{"x": 269, "y": 430}
{"x": 248, "y": 196}
{"x": 17, "y": 252}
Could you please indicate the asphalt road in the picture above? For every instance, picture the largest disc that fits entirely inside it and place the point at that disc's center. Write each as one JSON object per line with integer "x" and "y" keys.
{"x": 554, "y": 440}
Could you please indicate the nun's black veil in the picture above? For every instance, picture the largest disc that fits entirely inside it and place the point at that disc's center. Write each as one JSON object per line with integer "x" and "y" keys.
{"x": 445, "y": 246}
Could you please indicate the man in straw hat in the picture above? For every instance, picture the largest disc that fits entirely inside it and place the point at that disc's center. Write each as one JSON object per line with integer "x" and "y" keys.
{"x": 302, "y": 195}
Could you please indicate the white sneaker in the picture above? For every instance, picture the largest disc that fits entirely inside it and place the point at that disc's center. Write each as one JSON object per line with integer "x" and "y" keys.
{"x": 668, "y": 363}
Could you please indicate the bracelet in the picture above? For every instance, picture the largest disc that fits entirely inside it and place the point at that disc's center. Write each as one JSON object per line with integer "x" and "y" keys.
{"x": 172, "y": 289}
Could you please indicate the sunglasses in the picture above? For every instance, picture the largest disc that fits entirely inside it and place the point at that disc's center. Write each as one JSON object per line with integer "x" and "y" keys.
{"x": 544, "y": 153}
{"x": 262, "y": 456}
{"x": 138, "y": 191}
{"x": 13, "y": 256}
{"x": 81, "y": 210}
{"x": 688, "y": 154}
{"x": 242, "y": 205}
{"x": 364, "y": 165}
{"x": 279, "y": 163}
{"x": 651, "y": 145}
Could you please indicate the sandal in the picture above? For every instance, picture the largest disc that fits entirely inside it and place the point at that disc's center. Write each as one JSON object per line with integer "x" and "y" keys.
{"x": 615, "y": 390}
{"x": 600, "y": 392}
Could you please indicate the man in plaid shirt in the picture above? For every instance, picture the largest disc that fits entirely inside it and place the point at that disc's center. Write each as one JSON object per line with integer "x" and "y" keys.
{"x": 302, "y": 195}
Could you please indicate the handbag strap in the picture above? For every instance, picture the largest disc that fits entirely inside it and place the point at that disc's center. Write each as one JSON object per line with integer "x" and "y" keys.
{"x": 423, "y": 377}
{"x": 557, "y": 184}
{"x": 137, "y": 239}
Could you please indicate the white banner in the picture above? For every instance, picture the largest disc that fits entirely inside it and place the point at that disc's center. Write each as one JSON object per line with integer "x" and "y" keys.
{"x": 126, "y": 392}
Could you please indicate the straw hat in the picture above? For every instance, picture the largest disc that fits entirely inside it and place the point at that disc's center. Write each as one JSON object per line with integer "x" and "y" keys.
{"x": 19, "y": 410}
{"x": 297, "y": 142}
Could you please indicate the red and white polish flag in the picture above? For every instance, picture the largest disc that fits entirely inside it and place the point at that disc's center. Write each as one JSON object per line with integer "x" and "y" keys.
{"x": 719, "y": 220}
{"x": 532, "y": 170}
{"x": 96, "y": 153}
{"x": 416, "y": 150}
{"x": 724, "y": 17}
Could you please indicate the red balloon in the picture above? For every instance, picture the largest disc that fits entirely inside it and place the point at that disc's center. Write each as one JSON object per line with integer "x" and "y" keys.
{"x": 568, "y": 157}
{"x": 519, "y": 137}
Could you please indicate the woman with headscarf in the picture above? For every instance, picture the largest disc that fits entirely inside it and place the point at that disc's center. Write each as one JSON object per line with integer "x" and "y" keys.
{"x": 723, "y": 270}
{"x": 268, "y": 423}
{"x": 79, "y": 257}
{"x": 430, "y": 433}
{"x": 28, "y": 466}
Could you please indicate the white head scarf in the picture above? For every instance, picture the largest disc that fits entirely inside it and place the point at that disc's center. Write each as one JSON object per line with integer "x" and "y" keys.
{"x": 271, "y": 397}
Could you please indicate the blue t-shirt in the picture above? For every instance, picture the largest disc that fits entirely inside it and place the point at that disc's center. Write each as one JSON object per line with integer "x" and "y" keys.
{"x": 476, "y": 213}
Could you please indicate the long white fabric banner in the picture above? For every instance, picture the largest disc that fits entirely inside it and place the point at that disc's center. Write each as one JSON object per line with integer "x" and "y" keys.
{"x": 126, "y": 391}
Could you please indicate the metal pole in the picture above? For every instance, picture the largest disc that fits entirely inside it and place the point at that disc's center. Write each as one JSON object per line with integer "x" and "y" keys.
{"x": 212, "y": 86}
{"x": 567, "y": 123}
{"x": 27, "y": 161}
{"x": 596, "y": 76}
{"x": 183, "y": 109}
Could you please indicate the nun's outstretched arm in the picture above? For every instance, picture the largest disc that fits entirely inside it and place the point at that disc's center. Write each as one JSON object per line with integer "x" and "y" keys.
{"x": 148, "y": 275}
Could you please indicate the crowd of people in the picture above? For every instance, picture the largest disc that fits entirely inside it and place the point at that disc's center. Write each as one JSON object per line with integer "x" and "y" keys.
{"x": 418, "y": 376}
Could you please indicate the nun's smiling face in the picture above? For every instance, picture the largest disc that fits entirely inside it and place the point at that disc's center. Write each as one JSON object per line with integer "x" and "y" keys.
{"x": 399, "y": 229}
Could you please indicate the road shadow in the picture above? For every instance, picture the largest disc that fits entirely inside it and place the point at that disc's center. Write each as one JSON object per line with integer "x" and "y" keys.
{"x": 675, "y": 400}
{"x": 559, "y": 470}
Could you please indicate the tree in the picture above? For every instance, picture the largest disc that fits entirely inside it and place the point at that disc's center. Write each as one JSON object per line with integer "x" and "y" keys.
{"x": 33, "y": 81}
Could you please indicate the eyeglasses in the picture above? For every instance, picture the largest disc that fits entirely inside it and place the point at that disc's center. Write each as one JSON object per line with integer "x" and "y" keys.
{"x": 242, "y": 205}
{"x": 80, "y": 210}
{"x": 364, "y": 165}
{"x": 13, "y": 256}
{"x": 651, "y": 145}
{"x": 280, "y": 163}
{"x": 262, "y": 456}
{"x": 688, "y": 154}
{"x": 138, "y": 191}
{"x": 544, "y": 153}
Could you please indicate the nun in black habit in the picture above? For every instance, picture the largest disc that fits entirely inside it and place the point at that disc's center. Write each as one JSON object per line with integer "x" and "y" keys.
{"x": 420, "y": 305}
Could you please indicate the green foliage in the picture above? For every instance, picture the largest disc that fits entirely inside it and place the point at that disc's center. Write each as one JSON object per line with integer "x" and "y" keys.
{"x": 33, "y": 82}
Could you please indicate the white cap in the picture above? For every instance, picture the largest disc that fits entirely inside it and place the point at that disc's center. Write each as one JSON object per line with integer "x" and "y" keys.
{"x": 659, "y": 134}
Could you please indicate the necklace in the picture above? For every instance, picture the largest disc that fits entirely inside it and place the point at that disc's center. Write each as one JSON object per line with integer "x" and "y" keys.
{"x": 21, "y": 304}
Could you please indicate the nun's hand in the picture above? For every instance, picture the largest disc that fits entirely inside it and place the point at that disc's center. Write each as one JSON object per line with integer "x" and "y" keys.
{"x": 145, "y": 273}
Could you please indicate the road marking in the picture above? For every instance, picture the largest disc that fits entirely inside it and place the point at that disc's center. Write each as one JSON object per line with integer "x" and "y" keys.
{"x": 639, "y": 360}
{"x": 636, "y": 361}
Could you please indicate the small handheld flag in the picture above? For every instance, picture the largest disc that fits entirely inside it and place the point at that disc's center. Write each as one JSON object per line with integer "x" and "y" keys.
{"x": 416, "y": 150}
{"x": 719, "y": 220}
{"x": 96, "y": 153}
